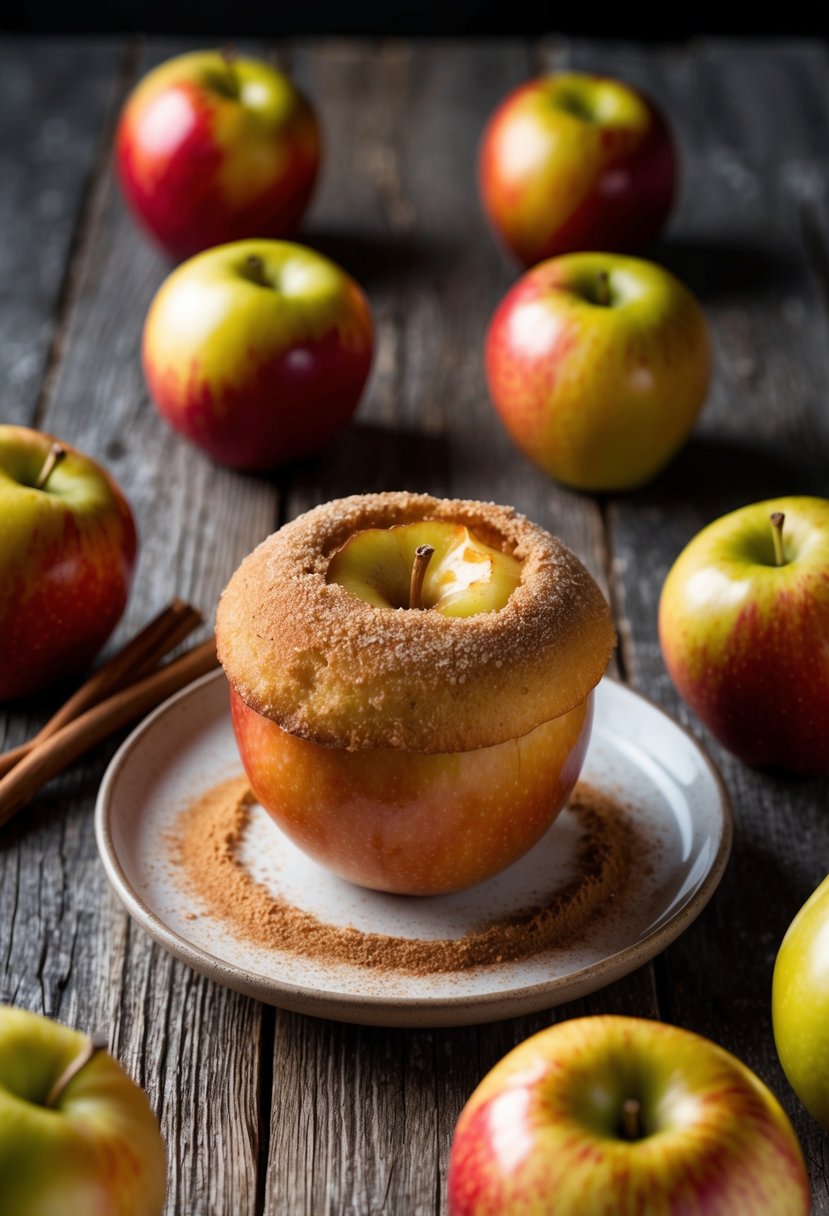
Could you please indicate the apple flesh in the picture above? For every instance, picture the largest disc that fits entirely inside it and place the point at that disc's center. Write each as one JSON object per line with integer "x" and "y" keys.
{"x": 619, "y": 1115}
{"x": 598, "y": 366}
{"x": 95, "y": 1148}
{"x": 573, "y": 162}
{"x": 67, "y": 554}
{"x": 258, "y": 351}
{"x": 800, "y": 1004}
{"x": 213, "y": 148}
{"x": 463, "y": 576}
{"x": 744, "y": 638}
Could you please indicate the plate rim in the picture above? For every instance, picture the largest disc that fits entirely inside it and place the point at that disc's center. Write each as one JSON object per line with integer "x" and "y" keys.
{"x": 419, "y": 1011}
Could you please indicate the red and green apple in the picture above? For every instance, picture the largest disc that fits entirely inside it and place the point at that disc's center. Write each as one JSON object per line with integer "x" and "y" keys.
{"x": 743, "y": 624}
{"x": 258, "y": 351}
{"x": 598, "y": 366}
{"x": 574, "y": 162}
{"x": 411, "y": 822}
{"x": 622, "y": 1116}
{"x": 77, "y": 1135}
{"x": 67, "y": 554}
{"x": 213, "y": 147}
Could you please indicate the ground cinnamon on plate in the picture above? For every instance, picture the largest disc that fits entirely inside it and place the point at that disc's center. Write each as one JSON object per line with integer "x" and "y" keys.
{"x": 206, "y": 847}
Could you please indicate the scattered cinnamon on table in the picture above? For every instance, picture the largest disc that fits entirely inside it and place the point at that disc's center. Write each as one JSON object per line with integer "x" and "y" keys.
{"x": 122, "y": 690}
{"x": 206, "y": 843}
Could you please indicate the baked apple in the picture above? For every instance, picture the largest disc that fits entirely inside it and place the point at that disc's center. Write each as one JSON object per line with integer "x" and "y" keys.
{"x": 411, "y": 685}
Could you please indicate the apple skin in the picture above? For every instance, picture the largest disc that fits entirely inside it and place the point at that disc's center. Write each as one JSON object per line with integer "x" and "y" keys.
{"x": 67, "y": 555}
{"x": 744, "y": 640}
{"x": 600, "y": 392}
{"x": 98, "y": 1152}
{"x": 258, "y": 373}
{"x": 541, "y": 1135}
{"x": 407, "y": 822}
{"x": 574, "y": 162}
{"x": 800, "y": 1004}
{"x": 211, "y": 150}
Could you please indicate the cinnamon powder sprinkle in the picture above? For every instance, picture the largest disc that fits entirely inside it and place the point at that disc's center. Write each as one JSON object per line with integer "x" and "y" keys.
{"x": 206, "y": 846}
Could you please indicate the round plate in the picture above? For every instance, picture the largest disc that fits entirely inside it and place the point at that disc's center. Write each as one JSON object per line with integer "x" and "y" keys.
{"x": 637, "y": 754}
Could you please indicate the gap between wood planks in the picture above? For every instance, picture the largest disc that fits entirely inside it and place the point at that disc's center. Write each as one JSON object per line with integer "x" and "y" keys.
{"x": 267, "y": 1048}
{"x": 552, "y": 54}
{"x": 815, "y": 243}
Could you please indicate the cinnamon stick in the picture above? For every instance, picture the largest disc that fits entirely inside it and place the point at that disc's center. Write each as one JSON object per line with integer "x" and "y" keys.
{"x": 138, "y": 658}
{"x": 50, "y": 757}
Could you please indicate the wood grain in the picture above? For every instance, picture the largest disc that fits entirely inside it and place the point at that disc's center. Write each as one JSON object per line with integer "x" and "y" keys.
{"x": 56, "y": 98}
{"x": 266, "y": 1111}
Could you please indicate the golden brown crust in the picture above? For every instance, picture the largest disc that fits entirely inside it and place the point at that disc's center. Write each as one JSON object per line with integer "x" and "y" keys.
{"x": 332, "y": 668}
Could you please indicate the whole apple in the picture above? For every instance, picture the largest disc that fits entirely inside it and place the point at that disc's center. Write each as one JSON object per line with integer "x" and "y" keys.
{"x": 67, "y": 554}
{"x": 598, "y": 366}
{"x": 800, "y": 1004}
{"x": 619, "y": 1115}
{"x": 77, "y": 1135}
{"x": 743, "y": 623}
{"x": 214, "y": 148}
{"x": 258, "y": 351}
{"x": 576, "y": 162}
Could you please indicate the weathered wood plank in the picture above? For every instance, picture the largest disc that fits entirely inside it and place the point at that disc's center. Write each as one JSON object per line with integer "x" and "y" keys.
{"x": 754, "y": 126}
{"x": 57, "y": 101}
{"x": 70, "y": 951}
{"x": 55, "y": 98}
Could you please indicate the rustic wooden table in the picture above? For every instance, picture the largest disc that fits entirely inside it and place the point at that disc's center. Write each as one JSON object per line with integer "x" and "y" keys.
{"x": 265, "y": 1111}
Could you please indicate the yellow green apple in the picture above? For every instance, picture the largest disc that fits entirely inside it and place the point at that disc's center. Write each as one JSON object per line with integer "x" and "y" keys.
{"x": 743, "y": 624}
{"x": 67, "y": 555}
{"x": 618, "y": 1116}
{"x": 572, "y": 161}
{"x": 410, "y": 822}
{"x": 598, "y": 366}
{"x": 258, "y": 351}
{"x": 213, "y": 147}
{"x": 77, "y": 1135}
{"x": 800, "y": 1004}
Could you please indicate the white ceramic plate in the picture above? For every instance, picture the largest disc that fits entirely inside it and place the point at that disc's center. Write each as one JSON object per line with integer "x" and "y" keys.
{"x": 637, "y": 754}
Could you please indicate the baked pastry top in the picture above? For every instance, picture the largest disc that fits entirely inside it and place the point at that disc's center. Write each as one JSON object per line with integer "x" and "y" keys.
{"x": 330, "y": 667}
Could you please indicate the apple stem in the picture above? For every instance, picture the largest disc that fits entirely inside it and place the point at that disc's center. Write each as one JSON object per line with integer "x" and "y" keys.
{"x": 422, "y": 557}
{"x": 257, "y": 270}
{"x": 603, "y": 288}
{"x": 632, "y": 1119}
{"x": 230, "y": 55}
{"x": 56, "y": 454}
{"x": 777, "y": 521}
{"x": 91, "y": 1049}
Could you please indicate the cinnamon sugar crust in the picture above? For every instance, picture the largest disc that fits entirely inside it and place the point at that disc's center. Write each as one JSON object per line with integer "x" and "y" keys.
{"x": 329, "y": 667}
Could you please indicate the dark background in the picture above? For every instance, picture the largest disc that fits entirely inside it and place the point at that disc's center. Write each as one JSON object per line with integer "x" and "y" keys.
{"x": 623, "y": 19}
